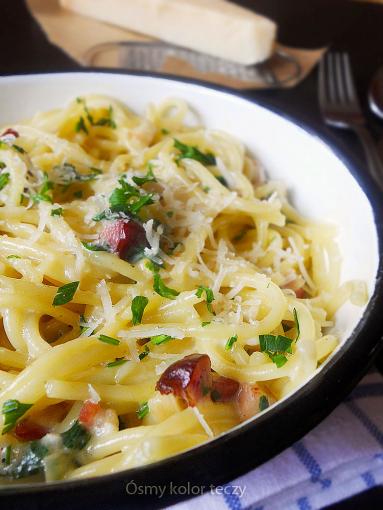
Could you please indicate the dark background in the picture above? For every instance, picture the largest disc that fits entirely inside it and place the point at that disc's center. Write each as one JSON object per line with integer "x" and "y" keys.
{"x": 345, "y": 25}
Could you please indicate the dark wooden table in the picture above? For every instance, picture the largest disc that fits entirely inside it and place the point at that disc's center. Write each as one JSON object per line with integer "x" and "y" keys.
{"x": 344, "y": 24}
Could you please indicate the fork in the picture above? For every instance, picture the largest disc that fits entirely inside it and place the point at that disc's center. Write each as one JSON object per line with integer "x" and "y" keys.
{"x": 340, "y": 106}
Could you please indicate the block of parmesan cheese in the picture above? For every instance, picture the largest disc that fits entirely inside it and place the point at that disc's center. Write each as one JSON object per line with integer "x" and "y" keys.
{"x": 216, "y": 27}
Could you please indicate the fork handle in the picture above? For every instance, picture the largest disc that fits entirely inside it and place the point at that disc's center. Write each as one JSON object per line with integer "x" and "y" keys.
{"x": 374, "y": 163}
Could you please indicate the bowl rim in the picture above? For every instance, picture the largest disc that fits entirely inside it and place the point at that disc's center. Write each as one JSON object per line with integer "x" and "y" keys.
{"x": 345, "y": 373}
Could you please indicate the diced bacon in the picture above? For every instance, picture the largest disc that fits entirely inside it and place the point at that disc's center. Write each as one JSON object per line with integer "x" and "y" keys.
{"x": 300, "y": 293}
{"x": 27, "y": 430}
{"x": 124, "y": 237}
{"x": 189, "y": 378}
{"x": 10, "y": 131}
{"x": 224, "y": 389}
{"x": 248, "y": 400}
{"x": 88, "y": 413}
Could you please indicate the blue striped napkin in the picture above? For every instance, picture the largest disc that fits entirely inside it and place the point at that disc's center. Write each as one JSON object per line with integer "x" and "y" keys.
{"x": 340, "y": 457}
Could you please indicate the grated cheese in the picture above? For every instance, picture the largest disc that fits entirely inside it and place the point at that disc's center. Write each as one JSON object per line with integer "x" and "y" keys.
{"x": 202, "y": 421}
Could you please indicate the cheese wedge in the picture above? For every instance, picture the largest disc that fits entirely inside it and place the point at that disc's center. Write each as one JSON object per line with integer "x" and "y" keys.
{"x": 216, "y": 27}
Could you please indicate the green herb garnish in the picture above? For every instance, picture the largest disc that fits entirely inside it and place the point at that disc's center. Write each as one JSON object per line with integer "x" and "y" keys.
{"x": 144, "y": 353}
{"x": 188, "y": 151}
{"x": 222, "y": 180}
{"x": 276, "y": 347}
{"x": 57, "y": 212}
{"x": 13, "y": 257}
{"x": 116, "y": 363}
{"x": 4, "y": 180}
{"x": 18, "y": 148}
{"x": 77, "y": 437}
{"x": 2, "y": 165}
{"x": 109, "y": 340}
{"x": 158, "y": 285}
{"x": 94, "y": 247}
{"x": 44, "y": 195}
{"x": 263, "y": 403}
{"x": 209, "y": 296}
{"x": 142, "y": 411}
{"x": 296, "y": 324}
{"x": 231, "y": 341}
{"x": 149, "y": 177}
{"x": 206, "y": 323}
{"x": 65, "y": 293}
{"x": 12, "y": 410}
{"x": 160, "y": 339}
{"x": 80, "y": 126}
{"x": 7, "y": 455}
{"x": 138, "y": 306}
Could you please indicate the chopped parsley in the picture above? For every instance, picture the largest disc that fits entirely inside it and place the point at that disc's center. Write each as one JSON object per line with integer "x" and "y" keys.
{"x": 116, "y": 363}
{"x": 206, "y": 189}
{"x": 128, "y": 199}
{"x": 222, "y": 180}
{"x": 149, "y": 177}
{"x": 144, "y": 353}
{"x": 57, "y": 212}
{"x": 102, "y": 121}
{"x": 160, "y": 339}
{"x": 188, "y": 151}
{"x": 13, "y": 257}
{"x": 276, "y": 347}
{"x": 66, "y": 174}
{"x": 231, "y": 341}
{"x": 2, "y": 165}
{"x": 263, "y": 403}
{"x": 109, "y": 340}
{"x": 169, "y": 214}
{"x": 7, "y": 455}
{"x": 45, "y": 193}
{"x": 142, "y": 411}
{"x": 80, "y": 126}
{"x": 18, "y": 148}
{"x": 209, "y": 296}
{"x": 94, "y": 247}
{"x": 138, "y": 306}
{"x": 165, "y": 131}
{"x": 4, "y": 180}
{"x": 206, "y": 323}
{"x": 158, "y": 285}
{"x": 77, "y": 437}
{"x": 296, "y": 324}
{"x": 78, "y": 194}
{"x": 65, "y": 293}
{"x": 29, "y": 461}
{"x": 12, "y": 410}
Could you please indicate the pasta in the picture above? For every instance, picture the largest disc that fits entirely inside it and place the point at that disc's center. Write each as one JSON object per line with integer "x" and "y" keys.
{"x": 155, "y": 289}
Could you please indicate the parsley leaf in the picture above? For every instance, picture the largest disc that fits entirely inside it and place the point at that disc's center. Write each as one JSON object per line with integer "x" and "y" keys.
{"x": 116, "y": 363}
{"x": 263, "y": 403}
{"x": 44, "y": 195}
{"x": 77, "y": 437}
{"x": 57, "y": 212}
{"x": 296, "y": 324}
{"x": 65, "y": 293}
{"x": 188, "y": 151}
{"x": 149, "y": 177}
{"x": 127, "y": 199}
{"x": 160, "y": 339}
{"x": 67, "y": 173}
{"x": 276, "y": 347}
{"x": 138, "y": 306}
{"x": 209, "y": 296}
{"x": 206, "y": 323}
{"x": 94, "y": 247}
{"x": 18, "y": 148}
{"x": 158, "y": 285}
{"x": 4, "y": 180}
{"x": 13, "y": 257}
{"x": 222, "y": 180}
{"x": 2, "y": 165}
{"x": 142, "y": 411}
{"x": 109, "y": 340}
{"x": 80, "y": 126}
{"x": 144, "y": 353}
{"x": 12, "y": 411}
{"x": 231, "y": 341}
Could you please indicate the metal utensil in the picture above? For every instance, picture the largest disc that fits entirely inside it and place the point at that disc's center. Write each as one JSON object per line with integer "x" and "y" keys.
{"x": 375, "y": 93}
{"x": 153, "y": 57}
{"x": 340, "y": 106}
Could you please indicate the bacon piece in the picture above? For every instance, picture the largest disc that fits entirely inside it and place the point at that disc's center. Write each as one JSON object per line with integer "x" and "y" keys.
{"x": 189, "y": 378}
{"x": 10, "y": 131}
{"x": 248, "y": 400}
{"x": 28, "y": 430}
{"x": 224, "y": 389}
{"x": 300, "y": 293}
{"x": 88, "y": 413}
{"x": 125, "y": 237}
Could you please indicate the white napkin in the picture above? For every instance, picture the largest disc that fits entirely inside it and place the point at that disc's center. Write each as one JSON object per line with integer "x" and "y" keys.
{"x": 340, "y": 457}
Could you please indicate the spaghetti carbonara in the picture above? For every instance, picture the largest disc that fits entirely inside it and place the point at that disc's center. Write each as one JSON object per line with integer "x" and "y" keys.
{"x": 155, "y": 289}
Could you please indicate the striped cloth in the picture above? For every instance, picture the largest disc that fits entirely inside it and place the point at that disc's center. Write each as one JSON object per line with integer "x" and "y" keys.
{"x": 340, "y": 457}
